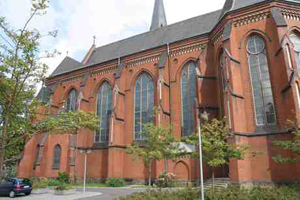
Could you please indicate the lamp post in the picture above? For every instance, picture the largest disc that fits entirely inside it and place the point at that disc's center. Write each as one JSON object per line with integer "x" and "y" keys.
{"x": 200, "y": 155}
{"x": 86, "y": 152}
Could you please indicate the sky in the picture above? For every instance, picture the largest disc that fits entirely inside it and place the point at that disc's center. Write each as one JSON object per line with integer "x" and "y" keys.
{"x": 77, "y": 21}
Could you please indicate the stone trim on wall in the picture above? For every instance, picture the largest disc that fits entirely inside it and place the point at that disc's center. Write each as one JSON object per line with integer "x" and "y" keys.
{"x": 251, "y": 18}
{"x": 72, "y": 79}
{"x": 105, "y": 70}
{"x": 291, "y": 14}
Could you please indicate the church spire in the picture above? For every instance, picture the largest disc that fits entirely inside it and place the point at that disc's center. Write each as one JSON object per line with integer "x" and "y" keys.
{"x": 159, "y": 16}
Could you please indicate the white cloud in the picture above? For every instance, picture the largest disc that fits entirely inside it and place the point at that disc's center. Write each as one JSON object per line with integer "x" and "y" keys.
{"x": 79, "y": 20}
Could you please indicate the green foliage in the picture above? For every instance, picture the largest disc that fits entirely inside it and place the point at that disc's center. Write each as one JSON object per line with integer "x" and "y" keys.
{"x": 63, "y": 177}
{"x": 166, "y": 180}
{"x": 231, "y": 193}
{"x": 115, "y": 182}
{"x": 67, "y": 122}
{"x": 37, "y": 183}
{"x": 159, "y": 143}
{"x": 290, "y": 145}
{"x": 54, "y": 182}
{"x": 20, "y": 71}
{"x": 216, "y": 146}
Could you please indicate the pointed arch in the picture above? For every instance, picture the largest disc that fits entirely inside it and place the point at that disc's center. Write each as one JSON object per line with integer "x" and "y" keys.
{"x": 143, "y": 104}
{"x": 181, "y": 67}
{"x": 56, "y": 157}
{"x": 138, "y": 74}
{"x": 104, "y": 111}
{"x": 181, "y": 170}
{"x": 262, "y": 93}
{"x": 295, "y": 40}
{"x": 188, "y": 96}
{"x": 246, "y": 37}
{"x": 94, "y": 92}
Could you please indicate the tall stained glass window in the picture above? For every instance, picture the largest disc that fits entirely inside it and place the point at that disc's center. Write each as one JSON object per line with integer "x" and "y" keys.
{"x": 296, "y": 42}
{"x": 72, "y": 101}
{"x": 144, "y": 105}
{"x": 104, "y": 109}
{"x": 188, "y": 96}
{"x": 261, "y": 84}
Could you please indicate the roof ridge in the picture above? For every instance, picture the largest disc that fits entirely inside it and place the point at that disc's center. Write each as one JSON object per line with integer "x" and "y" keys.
{"x": 160, "y": 29}
{"x": 73, "y": 59}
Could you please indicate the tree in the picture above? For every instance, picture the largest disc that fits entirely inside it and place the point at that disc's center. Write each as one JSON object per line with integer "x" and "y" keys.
{"x": 217, "y": 150}
{"x": 292, "y": 145}
{"x": 159, "y": 144}
{"x": 21, "y": 70}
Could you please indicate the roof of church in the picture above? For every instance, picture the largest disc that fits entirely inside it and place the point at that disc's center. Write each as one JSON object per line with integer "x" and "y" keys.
{"x": 161, "y": 36}
{"x": 67, "y": 65}
{"x": 168, "y": 34}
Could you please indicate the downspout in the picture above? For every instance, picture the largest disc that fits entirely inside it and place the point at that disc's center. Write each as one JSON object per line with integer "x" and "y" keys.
{"x": 169, "y": 71}
{"x": 170, "y": 96}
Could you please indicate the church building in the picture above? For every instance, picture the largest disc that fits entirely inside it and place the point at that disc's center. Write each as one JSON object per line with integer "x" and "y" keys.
{"x": 241, "y": 62}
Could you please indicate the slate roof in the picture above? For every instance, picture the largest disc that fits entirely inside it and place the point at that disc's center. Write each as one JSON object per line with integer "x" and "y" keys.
{"x": 67, "y": 65}
{"x": 168, "y": 34}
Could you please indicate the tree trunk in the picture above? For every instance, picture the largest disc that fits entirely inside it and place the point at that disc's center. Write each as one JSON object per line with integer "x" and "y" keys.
{"x": 1, "y": 163}
{"x": 2, "y": 144}
{"x": 149, "y": 173}
{"x": 166, "y": 164}
{"x": 213, "y": 180}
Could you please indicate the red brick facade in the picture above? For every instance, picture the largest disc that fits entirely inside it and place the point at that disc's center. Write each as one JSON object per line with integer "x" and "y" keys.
{"x": 111, "y": 161}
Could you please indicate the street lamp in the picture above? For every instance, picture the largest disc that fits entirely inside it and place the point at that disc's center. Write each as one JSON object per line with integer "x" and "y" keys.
{"x": 200, "y": 151}
{"x": 86, "y": 152}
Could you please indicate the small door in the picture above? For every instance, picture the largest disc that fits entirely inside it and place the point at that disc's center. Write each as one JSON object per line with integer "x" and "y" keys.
{"x": 182, "y": 171}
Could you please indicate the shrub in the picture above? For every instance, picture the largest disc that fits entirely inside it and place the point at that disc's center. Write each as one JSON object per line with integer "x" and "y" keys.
{"x": 63, "y": 177}
{"x": 37, "y": 183}
{"x": 115, "y": 182}
{"x": 166, "y": 180}
{"x": 54, "y": 182}
{"x": 231, "y": 193}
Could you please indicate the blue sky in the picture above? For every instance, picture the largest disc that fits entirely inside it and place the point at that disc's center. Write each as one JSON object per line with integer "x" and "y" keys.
{"x": 77, "y": 21}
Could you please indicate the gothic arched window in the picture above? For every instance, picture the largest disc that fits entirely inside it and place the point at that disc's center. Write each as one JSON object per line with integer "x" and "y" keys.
{"x": 296, "y": 42}
{"x": 188, "y": 95}
{"x": 104, "y": 109}
{"x": 72, "y": 101}
{"x": 261, "y": 84}
{"x": 144, "y": 104}
{"x": 56, "y": 157}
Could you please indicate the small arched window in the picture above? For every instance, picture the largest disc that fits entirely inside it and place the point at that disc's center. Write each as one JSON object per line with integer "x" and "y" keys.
{"x": 144, "y": 105}
{"x": 56, "y": 157}
{"x": 261, "y": 84}
{"x": 296, "y": 42}
{"x": 188, "y": 95}
{"x": 72, "y": 101}
{"x": 104, "y": 109}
